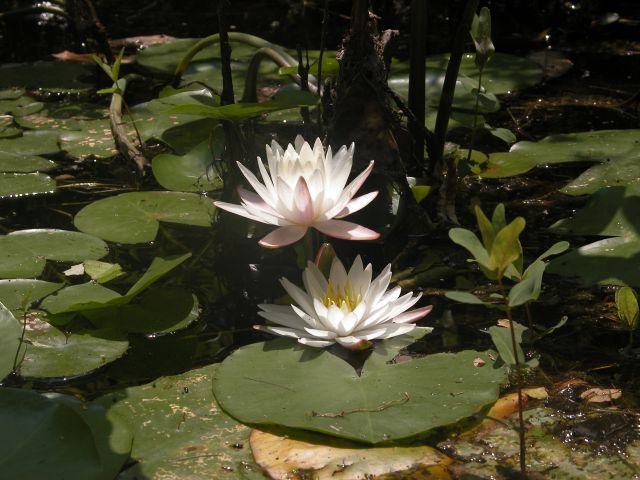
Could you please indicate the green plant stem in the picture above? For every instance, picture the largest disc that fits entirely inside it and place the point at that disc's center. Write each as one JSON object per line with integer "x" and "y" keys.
{"x": 475, "y": 117}
{"x": 309, "y": 242}
{"x": 521, "y": 432}
{"x": 630, "y": 340}
{"x": 22, "y": 335}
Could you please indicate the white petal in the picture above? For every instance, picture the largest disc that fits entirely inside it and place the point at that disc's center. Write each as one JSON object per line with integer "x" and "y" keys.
{"x": 303, "y": 203}
{"x": 315, "y": 343}
{"x": 323, "y": 334}
{"x": 283, "y": 236}
{"x": 285, "y": 332}
{"x": 314, "y": 282}
{"x": 355, "y": 204}
{"x": 310, "y": 320}
{"x": 242, "y": 211}
{"x": 282, "y": 315}
{"x": 345, "y": 230}
{"x": 413, "y": 315}
{"x": 299, "y": 296}
{"x": 255, "y": 183}
{"x": 337, "y": 275}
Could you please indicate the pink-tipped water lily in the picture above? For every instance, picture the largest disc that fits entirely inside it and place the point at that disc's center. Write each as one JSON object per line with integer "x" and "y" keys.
{"x": 348, "y": 308}
{"x": 304, "y": 188}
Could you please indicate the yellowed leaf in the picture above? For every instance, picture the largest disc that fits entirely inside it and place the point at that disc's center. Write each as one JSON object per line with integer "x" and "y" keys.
{"x": 539, "y": 393}
{"x": 601, "y": 395}
{"x": 287, "y": 459}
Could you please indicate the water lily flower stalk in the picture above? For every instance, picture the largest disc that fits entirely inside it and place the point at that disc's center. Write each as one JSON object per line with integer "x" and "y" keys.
{"x": 304, "y": 188}
{"x": 348, "y": 308}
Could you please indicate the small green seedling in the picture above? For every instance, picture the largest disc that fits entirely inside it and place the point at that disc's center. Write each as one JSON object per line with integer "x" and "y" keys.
{"x": 113, "y": 72}
{"x": 628, "y": 311}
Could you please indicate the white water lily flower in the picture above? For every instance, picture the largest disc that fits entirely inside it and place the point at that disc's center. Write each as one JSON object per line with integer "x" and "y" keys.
{"x": 304, "y": 188}
{"x": 349, "y": 308}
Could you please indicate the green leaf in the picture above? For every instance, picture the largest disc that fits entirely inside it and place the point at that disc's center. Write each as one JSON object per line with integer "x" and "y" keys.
{"x": 627, "y": 305}
{"x": 161, "y": 310}
{"x": 18, "y": 163}
{"x": 134, "y": 217}
{"x": 19, "y": 294}
{"x": 180, "y": 432}
{"x": 102, "y": 272}
{"x": 528, "y": 289}
{"x": 486, "y": 228}
{"x": 94, "y": 140}
{"x": 23, "y": 253}
{"x": 499, "y": 218}
{"x": 506, "y": 248}
{"x": 615, "y": 149}
{"x": 53, "y": 353}
{"x": 159, "y": 268}
{"x": 243, "y": 111}
{"x": 192, "y": 172}
{"x": 605, "y": 262}
{"x": 555, "y": 249}
{"x": 300, "y": 387}
{"x": 467, "y": 239}
{"x": 501, "y": 338}
{"x": 10, "y": 333}
{"x": 611, "y": 211}
{"x": 25, "y": 184}
{"x": 96, "y": 442}
{"x": 504, "y": 134}
{"x": 464, "y": 297}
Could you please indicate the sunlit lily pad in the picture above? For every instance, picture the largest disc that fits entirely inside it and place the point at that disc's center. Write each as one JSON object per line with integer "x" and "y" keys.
{"x": 13, "y": 162}
{"x": 57, "y": 436}
{"x": 24, "y": 184}
{"x": 615, "y": 150}
{"x": 61, "y": 116}
{"x": 278, "y": 383}
{"x": 179, "y": 431}
{"x": 23, "y": 253}
{"x": 10, "y": 333}
{"x": 36, "y": 142}
{"x": 134, "y": 217}
{"x": 610, "y": 212}
{"x": 19, "y": 294}
{"x": 53, "y": 353}
{"x": 95, "y": 140}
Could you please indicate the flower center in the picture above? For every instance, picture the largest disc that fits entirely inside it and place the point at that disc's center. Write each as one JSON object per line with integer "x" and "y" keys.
{"x": 344, "y": 299}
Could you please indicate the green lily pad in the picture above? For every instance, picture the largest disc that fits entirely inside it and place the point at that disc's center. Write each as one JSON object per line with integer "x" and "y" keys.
{"x": 615, "y": 149}
{"x": 10, "y": 334}
{"x": 96, "y": 442}
{"x": 19, "y": 294}
{"x": 61, "y": 116}
{"x": 610, "y": 212}
{"x": 23, "y": 184}
{"x": 102, "y": 272}
{"x": 36, "y": 142}
{"x": 169, "y": 310}
{"x": 134, "y": 217}
{"x": 180, "y": 432}
{"x": 95, "y": 140}
{"x": 503, "y": 74}
{"x": 23, "y": 253}
{"x": 161, "y": 310}
{"x": 16, "y": 163}
{"x": 277, "y": 383}
{"x": 192, "y": 172}
{"x": 53, "y": 353}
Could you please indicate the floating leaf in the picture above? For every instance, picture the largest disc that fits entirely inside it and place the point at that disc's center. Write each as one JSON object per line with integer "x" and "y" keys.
{"x": 53, "y": 353}
{"x": 23, "y": 184}
{"x": 301, "y": 387}
{"x": 192, "y": 172}
{"x": 10, "y": 334}
{"x": 19, "y": 294}
{"x": 134, "y": 217}
{"x": 616, "y": 148}
{"x": 37, "y": 142}
{"x": 102, "y": 272}
{"x": 464, "y": 297}
{"x": 95, "y": 140}
{"x": 53, "y": 77}
{"x": 601, "y": 395}
{"x": 16, "y": 163}
{"x": 96, "y": 442}
{"x": 180, "y": 432}
{"x": 23, "y": 253}
{"x": 282, "y": 457}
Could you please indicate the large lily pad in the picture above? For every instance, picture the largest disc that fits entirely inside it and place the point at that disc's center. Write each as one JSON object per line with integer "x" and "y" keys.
{"x": 616, "y": 151}
{"x": 134, "y": 217}
{"x": 179, "y": 431}
{"x": 610, "y": 212}
{"x": 53, "y": 353}
{"x": 10, "y": 333}
{"x": 277, "y": 383}
{"x": 36, "y": 142}
{"x": 23, "y": 253}
{"x": 192, "y": 172}
{"x": 57, "y": 436}
{"x": 24, "y": 184}
{"x": 19, "y": 294}
{"x": 17, "y": 163}
{"x": 94, "y": 140}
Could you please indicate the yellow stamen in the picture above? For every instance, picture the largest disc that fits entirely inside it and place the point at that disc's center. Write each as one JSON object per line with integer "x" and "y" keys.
{"x": 346, "y": 299}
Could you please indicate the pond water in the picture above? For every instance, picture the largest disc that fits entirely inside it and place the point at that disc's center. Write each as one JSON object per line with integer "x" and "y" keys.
{"x": 124, "y": 286}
